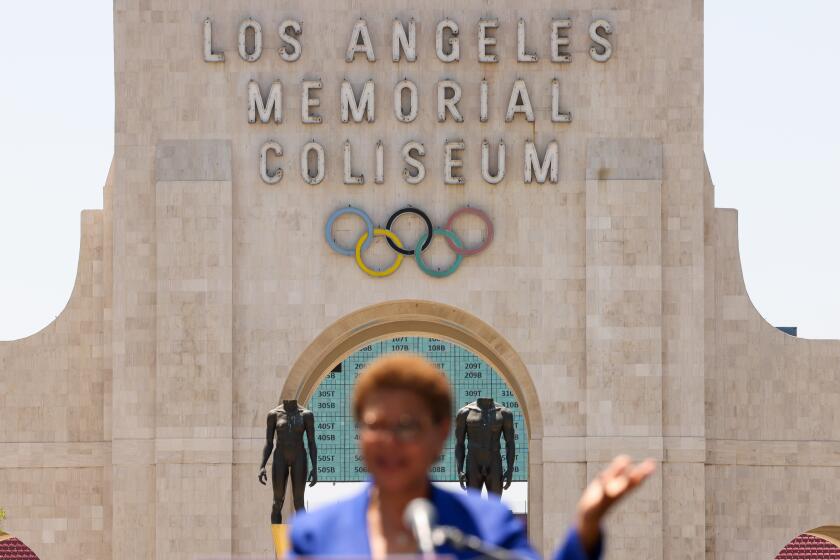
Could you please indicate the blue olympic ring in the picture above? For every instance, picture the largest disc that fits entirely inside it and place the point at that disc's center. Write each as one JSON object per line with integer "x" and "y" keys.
{"x": 348, "y": 252}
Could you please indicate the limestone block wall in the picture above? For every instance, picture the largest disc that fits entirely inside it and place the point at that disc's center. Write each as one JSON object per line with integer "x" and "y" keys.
{"x": 57, "y": 509}
{"x": 773, "y": 419}
{"x": 194, "y": 361}
{"x": 624, "y": 324}
{"x": 54, "y": 386}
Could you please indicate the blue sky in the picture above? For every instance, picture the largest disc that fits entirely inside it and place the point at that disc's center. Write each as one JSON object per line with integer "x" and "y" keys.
{"x": 771, "y": 124}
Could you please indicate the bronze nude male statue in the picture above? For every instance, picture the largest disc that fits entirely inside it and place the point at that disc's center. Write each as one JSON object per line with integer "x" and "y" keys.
{"x": 288, "y": 422}
{"x": 483, "y": 422}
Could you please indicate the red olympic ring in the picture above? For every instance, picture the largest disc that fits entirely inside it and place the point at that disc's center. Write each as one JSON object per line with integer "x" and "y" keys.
{"x": 467, "y": 251}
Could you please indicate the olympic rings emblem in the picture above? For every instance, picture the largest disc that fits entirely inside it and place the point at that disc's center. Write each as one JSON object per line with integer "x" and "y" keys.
{"x": 448, "y": 232}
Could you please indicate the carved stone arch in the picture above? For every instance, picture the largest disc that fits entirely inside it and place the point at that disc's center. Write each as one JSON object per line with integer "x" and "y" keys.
{"x": 427, "y": 318}
{"x": 420, "y": 318}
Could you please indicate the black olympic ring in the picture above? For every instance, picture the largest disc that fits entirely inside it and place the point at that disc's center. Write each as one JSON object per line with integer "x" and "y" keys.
{"x": 410, "y": 210}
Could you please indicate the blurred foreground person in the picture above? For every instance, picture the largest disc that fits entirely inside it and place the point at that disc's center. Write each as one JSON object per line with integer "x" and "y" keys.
{"x": 402, "y": 405}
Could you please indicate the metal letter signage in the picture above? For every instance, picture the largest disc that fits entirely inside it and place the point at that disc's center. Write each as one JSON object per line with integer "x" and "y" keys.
{"x": 451, "y": 100}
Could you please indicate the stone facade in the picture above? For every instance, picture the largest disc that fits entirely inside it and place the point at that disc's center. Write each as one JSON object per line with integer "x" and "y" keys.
{"x": 612, "y": 301}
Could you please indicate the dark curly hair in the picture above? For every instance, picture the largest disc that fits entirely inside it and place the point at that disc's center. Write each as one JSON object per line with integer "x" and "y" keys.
{"x": 406, "y": 372}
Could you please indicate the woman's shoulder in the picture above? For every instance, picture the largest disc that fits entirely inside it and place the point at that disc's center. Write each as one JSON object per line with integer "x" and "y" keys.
{"x": 322, "y": 514}
{"x": 484, "y": 513}
{"x": 346, "y": 514}
{"x": 336, "y": 509}
{"x": 489, "y": 519}
{"x": 470, "y": 499}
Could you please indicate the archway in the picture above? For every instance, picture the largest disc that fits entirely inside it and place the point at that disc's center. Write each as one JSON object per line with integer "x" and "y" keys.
{"x": 469, "y": 376}
{"x": 412, "y": 318}
{"x": 822, "y": 542}
{"x": 11, "y": 548}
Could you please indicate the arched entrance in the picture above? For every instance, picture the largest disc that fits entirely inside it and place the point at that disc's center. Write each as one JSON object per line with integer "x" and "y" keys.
{"x": 470, "y": 377}
{"x": 11, "y": 548}
{"x": 822, "y": 542}
{"x": 411, "y": 318}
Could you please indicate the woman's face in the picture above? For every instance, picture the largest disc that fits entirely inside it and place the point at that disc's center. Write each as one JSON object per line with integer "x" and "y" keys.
{"x": 398, "y": 439}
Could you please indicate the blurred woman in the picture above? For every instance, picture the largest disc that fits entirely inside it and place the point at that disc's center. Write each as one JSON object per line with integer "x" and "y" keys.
{"x": 403, "y": 406}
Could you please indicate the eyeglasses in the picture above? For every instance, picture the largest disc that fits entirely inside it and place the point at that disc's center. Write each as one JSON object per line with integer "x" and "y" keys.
{"x": 407, "y": 430}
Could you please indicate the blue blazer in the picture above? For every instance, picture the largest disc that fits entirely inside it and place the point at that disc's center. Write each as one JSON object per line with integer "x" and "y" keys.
{"x": 340, "y": 529}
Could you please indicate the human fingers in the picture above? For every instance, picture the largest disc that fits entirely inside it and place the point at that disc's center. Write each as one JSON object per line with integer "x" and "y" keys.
{"x": 613, "y": 478}
{"x": 616, "y": 486}
{"x": 616, "y": 466}
{"x": 640, "y": 472}
{"x": 628, "y": 479}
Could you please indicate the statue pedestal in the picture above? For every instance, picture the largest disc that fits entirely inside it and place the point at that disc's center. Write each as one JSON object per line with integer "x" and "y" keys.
{"x": 280, "y": 534}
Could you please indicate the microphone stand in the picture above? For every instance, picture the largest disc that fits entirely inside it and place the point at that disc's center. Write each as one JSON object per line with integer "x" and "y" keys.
{"x": 444, "y": 534}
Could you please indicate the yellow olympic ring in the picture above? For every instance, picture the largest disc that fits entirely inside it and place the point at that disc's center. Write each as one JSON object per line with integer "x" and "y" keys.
{"x": 380, "y": 273}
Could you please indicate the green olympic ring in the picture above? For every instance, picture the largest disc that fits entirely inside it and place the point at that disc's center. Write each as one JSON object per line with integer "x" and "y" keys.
{"x": 418, "y": 253}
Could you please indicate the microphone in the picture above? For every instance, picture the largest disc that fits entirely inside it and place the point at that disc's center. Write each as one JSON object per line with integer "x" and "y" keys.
{"x": 420, "y": 516}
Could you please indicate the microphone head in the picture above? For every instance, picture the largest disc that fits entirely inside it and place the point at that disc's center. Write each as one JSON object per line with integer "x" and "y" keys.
{"x": 419, "y": 511}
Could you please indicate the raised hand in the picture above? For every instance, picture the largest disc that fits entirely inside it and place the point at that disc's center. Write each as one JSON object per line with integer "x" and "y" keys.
{"x": 611, "y": 484}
